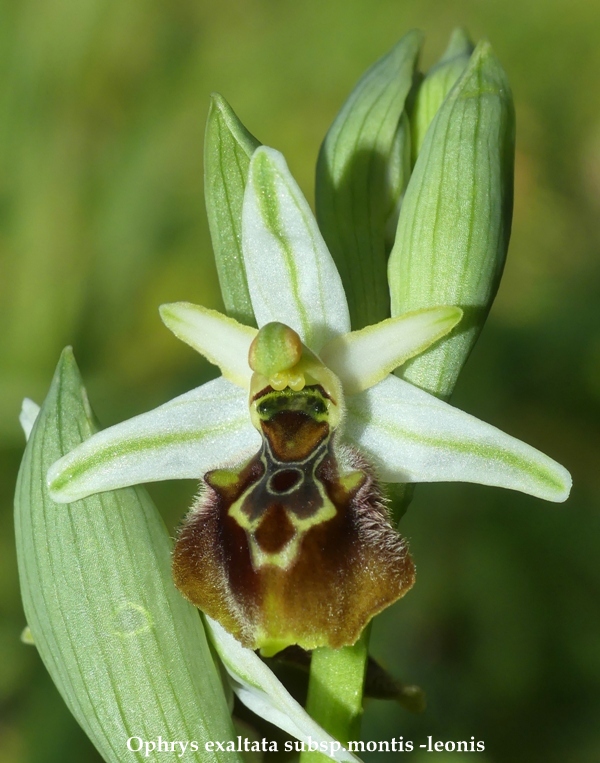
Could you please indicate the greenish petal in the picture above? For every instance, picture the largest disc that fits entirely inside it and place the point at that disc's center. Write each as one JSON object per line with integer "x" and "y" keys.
{"x": 363, "y": 358}
{"x": 455, "y": 219}
{"x": 222, "y": 340}
{"x": 228, "y": 147}
{"x": 126, "y": 651}
{"x": 363, "y": 168}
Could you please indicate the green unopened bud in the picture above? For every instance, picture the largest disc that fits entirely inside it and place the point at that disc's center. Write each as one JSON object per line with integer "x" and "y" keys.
{"x": 228, "y": 147}
{"x": 454, "y": 224}
{"x": 362, "y": 172}
{"x": 436, "y": 85}
{"x": 397, "y": 177}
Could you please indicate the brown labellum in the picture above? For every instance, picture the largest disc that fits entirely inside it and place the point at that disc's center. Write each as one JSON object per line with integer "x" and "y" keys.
{"x": 294, "y": 546}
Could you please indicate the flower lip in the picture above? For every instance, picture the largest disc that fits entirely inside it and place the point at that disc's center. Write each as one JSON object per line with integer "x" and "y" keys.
{"x": 269, "y": 544}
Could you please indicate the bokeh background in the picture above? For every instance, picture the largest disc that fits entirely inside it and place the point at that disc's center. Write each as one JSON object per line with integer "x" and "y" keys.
{"x": 103, "y": 104}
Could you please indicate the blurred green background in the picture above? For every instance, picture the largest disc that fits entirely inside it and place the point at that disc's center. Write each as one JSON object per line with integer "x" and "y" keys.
{"x": 103, "y": 104}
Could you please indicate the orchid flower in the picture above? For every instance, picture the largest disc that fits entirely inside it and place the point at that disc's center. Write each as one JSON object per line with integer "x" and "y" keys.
{"x": 289, "y": 540}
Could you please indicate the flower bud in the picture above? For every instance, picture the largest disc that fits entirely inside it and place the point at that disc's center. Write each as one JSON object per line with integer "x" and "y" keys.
{"x": 454, "y": 224}
{"x": 228, "y": 147}
{"x": 126, "y": 652}
{"x": 436, "y": 85}
{"x": 362, "y": 172}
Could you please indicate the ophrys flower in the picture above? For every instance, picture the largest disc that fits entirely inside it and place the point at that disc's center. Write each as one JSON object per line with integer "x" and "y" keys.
{"x": 289, "y": 541}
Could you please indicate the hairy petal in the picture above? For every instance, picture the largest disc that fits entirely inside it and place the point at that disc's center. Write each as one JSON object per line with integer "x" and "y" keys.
{"x": 363, "y": 358}
{"x": 222, "y": 340}
{"x": 414, "y": 437}
{"x": 291, "y": 275}
{"x": 294, "y": 547}
{"x": 183, "y": 438}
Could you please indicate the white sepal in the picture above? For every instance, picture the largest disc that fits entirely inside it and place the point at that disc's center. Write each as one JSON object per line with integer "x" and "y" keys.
{"x": 28, "y": 415}
{"x": 291, "y": 275}
{"x": 261, "y": 691}
{"x": 363, "y": 358}
{"x": 222, "y": 340}
{"x": 184, "y": 438}
{"x": 412, "y": 436}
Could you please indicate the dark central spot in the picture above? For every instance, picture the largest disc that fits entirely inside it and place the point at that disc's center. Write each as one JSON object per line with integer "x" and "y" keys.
{"x": 284, "y": 480}
{"x": 275, "y": 530}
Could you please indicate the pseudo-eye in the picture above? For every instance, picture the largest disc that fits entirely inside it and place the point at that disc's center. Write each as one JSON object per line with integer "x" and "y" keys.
{"x": 293, "y": 546}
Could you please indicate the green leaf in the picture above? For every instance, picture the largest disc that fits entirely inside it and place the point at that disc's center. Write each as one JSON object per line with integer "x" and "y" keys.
{"x": 362, "y": 172}
{"x": 228, "y": 147}
{"x": 126, "y": 651}
{"x": 436, "y": 85}
{"x": 455, "y": 219}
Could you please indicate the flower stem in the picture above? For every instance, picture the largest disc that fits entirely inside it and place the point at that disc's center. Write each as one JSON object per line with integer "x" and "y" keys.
{"x": 335, "y": 692}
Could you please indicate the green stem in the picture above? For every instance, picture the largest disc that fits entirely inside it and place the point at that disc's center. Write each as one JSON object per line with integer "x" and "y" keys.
{"x": 335, "y": 692}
